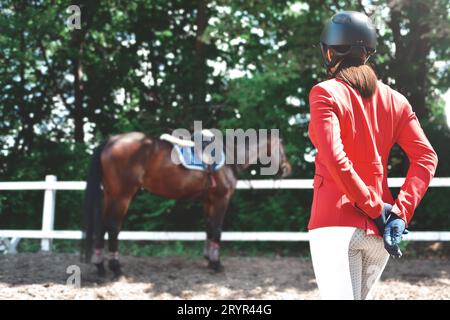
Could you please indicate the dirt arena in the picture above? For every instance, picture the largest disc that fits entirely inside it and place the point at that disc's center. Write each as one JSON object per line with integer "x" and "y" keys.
{"x": 43, "y": 276}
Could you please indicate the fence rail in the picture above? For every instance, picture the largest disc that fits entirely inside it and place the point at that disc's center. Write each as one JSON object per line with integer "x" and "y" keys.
{"x": 11, "y": 238}
{"x": 51, "y": 184}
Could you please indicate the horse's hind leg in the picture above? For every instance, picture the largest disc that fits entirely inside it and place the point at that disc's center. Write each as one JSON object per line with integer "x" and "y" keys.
{"x": 97, "y": 258}
{"x": 115, "y": 211}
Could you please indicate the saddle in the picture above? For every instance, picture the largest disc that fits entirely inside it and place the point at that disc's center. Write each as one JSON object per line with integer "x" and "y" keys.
{"x": 194, "y": 157}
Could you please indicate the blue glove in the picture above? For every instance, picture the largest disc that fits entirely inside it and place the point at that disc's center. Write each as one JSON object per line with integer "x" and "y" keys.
{"x": 380, "y": 222}
{"x": 391, "y": 227}
{"x": 392, "y": 236}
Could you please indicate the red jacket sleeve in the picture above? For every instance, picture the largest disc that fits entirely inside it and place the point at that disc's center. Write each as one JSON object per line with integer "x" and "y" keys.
{"x": 423, "y": 162}
{"x": 325, "y": 124}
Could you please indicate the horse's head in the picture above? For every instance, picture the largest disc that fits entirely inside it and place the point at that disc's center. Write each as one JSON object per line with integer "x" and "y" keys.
{"x": 267, "y": 149}
{"x": 285, "y": 166}
{"x": 276, "y": 145}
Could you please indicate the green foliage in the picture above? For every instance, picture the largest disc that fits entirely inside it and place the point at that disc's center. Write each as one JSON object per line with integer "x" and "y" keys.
{"x": 29, "y": 245}
{"x": 161, "y": 249}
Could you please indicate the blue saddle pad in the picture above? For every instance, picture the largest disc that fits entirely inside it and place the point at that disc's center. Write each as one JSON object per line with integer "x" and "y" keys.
{"x": 190, "y": 160}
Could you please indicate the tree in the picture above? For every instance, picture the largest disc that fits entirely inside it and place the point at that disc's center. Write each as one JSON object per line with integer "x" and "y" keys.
{"x": 417, "y": 28}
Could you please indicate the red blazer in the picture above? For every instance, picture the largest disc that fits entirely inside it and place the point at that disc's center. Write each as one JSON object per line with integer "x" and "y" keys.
{"x": 353, "y": 137}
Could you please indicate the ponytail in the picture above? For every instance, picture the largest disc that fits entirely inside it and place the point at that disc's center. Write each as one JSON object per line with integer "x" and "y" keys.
{"x": 359, "y": 76}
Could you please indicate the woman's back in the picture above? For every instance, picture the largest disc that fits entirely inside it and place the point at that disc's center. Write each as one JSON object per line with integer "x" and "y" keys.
{"x": 369, "y": 126}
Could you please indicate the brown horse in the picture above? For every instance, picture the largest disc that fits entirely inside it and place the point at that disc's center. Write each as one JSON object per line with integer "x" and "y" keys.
{"x": 127, "y": 162}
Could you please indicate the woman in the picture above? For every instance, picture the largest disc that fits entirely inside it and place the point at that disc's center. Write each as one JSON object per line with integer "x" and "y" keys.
{"x": 355, "y": 120}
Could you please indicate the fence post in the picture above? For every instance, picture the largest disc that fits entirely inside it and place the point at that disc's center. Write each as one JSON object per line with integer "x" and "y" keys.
{"x": 48, "y": 213}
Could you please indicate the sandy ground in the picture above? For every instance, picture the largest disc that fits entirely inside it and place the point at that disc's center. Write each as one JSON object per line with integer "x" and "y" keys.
{"x": 43, "y": 276}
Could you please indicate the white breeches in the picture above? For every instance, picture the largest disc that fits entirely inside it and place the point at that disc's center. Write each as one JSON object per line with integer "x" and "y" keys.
{"x": 347, "y": 263}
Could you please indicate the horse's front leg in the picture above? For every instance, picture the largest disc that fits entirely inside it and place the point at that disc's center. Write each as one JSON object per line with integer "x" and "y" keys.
{"x": 213, "y": 247}
{"x": 215, "y": 212}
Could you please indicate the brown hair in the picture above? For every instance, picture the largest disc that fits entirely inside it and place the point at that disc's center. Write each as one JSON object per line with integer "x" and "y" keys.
{"x": 360, "y": 76}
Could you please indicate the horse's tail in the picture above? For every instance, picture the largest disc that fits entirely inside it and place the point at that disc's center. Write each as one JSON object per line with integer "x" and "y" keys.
{"x": 92, "y": 208}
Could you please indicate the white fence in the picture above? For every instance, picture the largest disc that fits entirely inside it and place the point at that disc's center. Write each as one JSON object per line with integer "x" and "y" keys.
{"x": 11, "y": 238}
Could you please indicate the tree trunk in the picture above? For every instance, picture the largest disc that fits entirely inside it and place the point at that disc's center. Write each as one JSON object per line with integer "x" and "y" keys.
{"x": 27, "y": 131}
{"x": 410, "y": 65}
{"x": 200, "y": 75}
{"x": 78, "y": 112}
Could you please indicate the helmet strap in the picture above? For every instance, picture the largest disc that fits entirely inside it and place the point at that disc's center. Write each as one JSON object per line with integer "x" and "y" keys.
{"x": 336, "y": 70}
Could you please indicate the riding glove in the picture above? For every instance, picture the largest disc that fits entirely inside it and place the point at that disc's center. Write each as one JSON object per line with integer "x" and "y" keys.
{"x": 392, "y": 228}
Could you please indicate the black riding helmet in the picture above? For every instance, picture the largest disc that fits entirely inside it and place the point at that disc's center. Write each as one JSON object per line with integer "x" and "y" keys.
{"x": 348, "y": 33}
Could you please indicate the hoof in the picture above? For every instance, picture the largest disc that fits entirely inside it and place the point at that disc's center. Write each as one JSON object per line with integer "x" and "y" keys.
{"x": 114, "y": 266}
{"x": 215, "y": 266}
{"x": 101, "y": 271}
